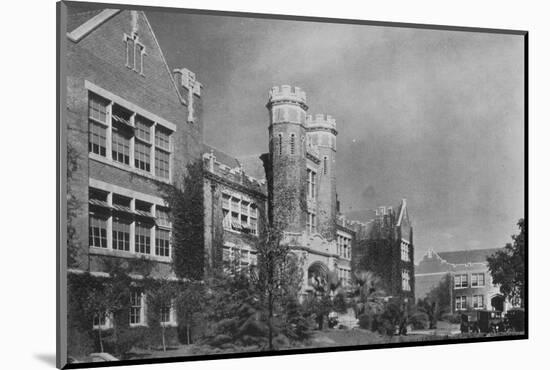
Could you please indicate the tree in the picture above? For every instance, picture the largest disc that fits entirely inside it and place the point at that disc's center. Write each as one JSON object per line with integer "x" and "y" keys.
{"x": 507, "y": 267}
{"x": 190, "y": 302}
{"x": 233, "y": 312}
{"x": 273, "y": 276}
{"x": 438, "y": 301}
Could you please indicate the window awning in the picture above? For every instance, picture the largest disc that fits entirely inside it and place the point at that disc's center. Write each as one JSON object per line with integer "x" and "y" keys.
{"x": 100, "y": 203}
{"x": 122, "y": 120}
{"x": 143, "y": 213}
{"x": 120, "y": 208}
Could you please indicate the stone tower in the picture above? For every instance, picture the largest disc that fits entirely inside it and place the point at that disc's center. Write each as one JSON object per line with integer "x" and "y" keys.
{"x": 287, "y": 135}
{"x": 321, "y": 133}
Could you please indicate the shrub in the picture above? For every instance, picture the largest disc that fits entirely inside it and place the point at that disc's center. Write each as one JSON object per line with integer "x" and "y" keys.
{"x": 452, "y": 318}
{"x": 419, "y": 320}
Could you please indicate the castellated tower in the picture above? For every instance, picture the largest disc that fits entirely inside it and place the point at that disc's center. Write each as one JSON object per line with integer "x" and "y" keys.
{"x": 287, "y": 173}
{"x": 321, "y": 134}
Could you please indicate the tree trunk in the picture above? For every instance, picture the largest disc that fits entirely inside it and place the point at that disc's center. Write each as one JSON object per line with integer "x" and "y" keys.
{"x": 188, "y": 332}
{"x": 270, "y": 321}
{"x": 100, "y": 338}
{"x": 163, "y": 338}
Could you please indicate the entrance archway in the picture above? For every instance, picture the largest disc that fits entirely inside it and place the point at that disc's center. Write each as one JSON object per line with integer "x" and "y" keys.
{"x": 317, "y": 276}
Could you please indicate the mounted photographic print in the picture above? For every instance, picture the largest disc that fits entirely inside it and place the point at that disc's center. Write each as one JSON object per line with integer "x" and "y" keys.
{"x": 236, "y": 184}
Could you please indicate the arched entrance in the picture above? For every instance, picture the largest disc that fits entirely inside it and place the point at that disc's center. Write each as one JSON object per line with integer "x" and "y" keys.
{"x": 317, "y": 276}
{"x": 497, "y": 303}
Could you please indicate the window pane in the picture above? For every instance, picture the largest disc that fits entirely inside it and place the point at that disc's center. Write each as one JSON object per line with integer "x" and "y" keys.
{"x": 121, "y": 234}
{"x": 121, "y": 145}
{"x": 97, "y": 138}
{"x": 97, "y": 108}
{"x": 162, "y": 138}
{"x": 143, "y": 128}
{"x": 162, "y": 164}
{"x": 97, "y": 231}
{"x": 162, "y": 243}
{"x": 143, "y": 238}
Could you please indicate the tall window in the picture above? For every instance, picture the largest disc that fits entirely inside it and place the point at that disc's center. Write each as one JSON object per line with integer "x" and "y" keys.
{"x": 292, "y": 143}
{"x": 143, "y": 238}
{"x": 311, "y": 223}
{"x": 325, "y": 165}
{"x": 121, "y": 145}
{"x": 406, "y": 280}
{"x": 97, "y": 231}
{"x": 136, "y": 307}
{"x": 478, "y": 279}
{"x": 311, "y": 179}
{"x": 166, "y": 312}
{"x": 142, "y": 145}
{"x": 162, "y": 154}
{"x": 460, "y": 303}
{"x": 140, "y": 51}
{"x": 130, "y": 50}
{"x": 461, "y": 281}
{"x": 405, "y": 251}
{"x": 477, "y": 301}
{"x": 280, "y": 137}
{"x": 97, "y": 113}
{"x": 162, "y": 243}
{"x": 121, "y": 233}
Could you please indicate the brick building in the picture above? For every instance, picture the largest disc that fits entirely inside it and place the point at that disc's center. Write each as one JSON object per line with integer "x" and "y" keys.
{"x": 384, "y": 245}
{"x": 472, "y": 286}
{"x": 294, "y": 187}
{"x": 235, "y": 210}
{"x": 132, "y": 126}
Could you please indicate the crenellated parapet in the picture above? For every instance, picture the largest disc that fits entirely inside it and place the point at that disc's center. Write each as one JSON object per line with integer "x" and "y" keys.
{"x": 287, "y": 93}
{"x": 321, "y": 122}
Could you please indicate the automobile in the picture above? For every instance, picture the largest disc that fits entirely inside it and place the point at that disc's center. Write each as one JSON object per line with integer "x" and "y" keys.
{"x": 482, "y": 321}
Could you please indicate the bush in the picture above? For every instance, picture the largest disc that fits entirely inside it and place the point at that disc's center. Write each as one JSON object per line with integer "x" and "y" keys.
{"x": 452, "y": 318}
{"x": 419, "y": 320}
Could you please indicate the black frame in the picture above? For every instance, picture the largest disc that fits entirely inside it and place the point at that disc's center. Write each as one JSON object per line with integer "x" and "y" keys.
{"x": 61, "y": 287}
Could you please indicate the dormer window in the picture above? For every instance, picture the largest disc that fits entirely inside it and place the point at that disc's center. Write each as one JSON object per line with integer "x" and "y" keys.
{"x": 135, "y": 51}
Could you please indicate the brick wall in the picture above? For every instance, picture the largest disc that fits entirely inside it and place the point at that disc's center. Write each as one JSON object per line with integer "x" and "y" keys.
{"x": 100, "y": 58}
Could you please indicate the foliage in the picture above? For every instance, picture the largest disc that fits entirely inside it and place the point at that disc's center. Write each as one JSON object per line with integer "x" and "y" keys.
{"x": 437, "y": 302}
{"x": 369, "y": 293}
{"x": 186, "y": 202}
{"x": 339, "y": 302}
{"x": 420, "y": 320}
{"x": 507, "y": 267}
{"x": 453, "y": 318}
{"x": 319, "y": 306}
{"x": 190, "y": 303}
{"x": 234, "y": 313}
{"x": 73, "y": 205}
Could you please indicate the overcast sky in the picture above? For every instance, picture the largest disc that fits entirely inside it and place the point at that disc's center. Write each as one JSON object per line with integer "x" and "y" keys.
{"x": 432, "y": 116}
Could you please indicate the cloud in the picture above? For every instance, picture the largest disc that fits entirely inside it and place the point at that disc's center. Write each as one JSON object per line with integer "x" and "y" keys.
{"x": 473, "y": 243}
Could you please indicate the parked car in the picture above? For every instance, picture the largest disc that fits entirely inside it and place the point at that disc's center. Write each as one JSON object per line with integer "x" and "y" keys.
{"x": 482, "y": 321}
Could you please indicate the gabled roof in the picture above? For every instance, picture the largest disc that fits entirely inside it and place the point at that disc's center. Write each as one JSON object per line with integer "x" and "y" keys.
{"x": 93, "y": 18}
{"x": 467, "y": 256}
{"x": 79, "y": 15}
{"x": 222, "y": 157}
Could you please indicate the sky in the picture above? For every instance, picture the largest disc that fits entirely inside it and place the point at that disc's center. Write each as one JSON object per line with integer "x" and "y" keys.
{"x": 436, "y": 117}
